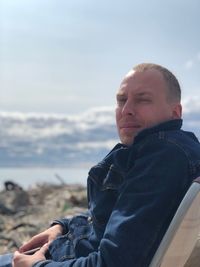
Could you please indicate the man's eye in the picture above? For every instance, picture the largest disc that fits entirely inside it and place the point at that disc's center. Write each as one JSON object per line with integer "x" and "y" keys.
{"x": 144, "y": 100}
{"x": 121, "y": 101}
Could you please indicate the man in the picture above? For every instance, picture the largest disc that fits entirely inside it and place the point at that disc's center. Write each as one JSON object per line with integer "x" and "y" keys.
{"x": 135, "y": 190}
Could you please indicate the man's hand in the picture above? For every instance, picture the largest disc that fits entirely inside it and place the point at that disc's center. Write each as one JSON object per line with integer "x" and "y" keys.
{"x": 45, "y": 237}
{"x": 20, "y": 260}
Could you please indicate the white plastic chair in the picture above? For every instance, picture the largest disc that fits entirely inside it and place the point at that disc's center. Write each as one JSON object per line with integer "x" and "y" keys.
{"x": 178, "y": 247}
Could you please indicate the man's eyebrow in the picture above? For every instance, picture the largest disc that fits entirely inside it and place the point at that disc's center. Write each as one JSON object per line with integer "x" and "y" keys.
{"x": 137, "y": 94}
{"x": 143, "y": 94}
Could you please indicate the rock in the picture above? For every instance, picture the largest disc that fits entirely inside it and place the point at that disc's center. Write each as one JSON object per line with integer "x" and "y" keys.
{"x": 10, "y": 186}
{"x": 26, "y": 213}
{"x": 5, "y": 210}
{"x": 13, "y": 201}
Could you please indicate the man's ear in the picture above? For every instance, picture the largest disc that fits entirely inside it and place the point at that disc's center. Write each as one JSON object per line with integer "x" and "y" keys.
{"x": 177, "y": 111}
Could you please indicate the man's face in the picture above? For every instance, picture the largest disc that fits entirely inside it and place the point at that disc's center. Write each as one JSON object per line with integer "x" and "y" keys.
{"x": 142, "y": 103}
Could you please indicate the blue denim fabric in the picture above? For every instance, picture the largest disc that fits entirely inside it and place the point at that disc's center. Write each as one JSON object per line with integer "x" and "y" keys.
{"x": 75, "y": 243}
{"x": 133, "y": 194}
{"x": 6, "y": 260}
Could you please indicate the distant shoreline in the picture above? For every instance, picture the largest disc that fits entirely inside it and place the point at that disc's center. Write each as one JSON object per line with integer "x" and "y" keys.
{"x": 32, "y": 175}
{"x": 43, "y": 166}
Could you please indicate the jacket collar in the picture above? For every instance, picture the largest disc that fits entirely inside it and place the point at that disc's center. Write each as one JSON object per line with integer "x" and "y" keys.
{"x": 170, "y": 125}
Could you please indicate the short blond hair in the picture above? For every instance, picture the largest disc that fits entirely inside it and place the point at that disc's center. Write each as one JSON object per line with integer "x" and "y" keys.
{"x": 174, "y": 89}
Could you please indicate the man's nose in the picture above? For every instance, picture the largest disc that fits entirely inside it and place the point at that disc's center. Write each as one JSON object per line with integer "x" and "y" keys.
{"x": 128, "y": 108}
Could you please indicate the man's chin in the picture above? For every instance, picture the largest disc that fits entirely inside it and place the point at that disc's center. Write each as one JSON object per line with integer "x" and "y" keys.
{"x": 127, "y": 140}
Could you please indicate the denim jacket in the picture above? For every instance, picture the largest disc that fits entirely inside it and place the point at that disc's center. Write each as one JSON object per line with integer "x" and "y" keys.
{"x": 133, "y": 194}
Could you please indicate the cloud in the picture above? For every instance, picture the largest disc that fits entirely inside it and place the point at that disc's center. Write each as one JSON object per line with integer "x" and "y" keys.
{"x": 191, "y": 105}
{"x": 46, "y": 139}
{"x": 198, "y": 56}
{"x": 36, "y": 126}
{"x": 189, "y": 64}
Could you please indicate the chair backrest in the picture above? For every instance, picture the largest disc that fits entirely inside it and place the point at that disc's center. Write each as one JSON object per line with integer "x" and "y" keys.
{"x": 179, "y": 241}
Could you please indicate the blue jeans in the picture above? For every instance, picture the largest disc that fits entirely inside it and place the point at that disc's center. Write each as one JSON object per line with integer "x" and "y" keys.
{"x": 6, "y": 260}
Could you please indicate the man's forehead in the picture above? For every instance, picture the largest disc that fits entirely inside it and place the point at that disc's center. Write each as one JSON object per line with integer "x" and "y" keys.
{"x": 142, "y": 81}
{"x": 140, "y": 91}
{"x": 146, "y": 74}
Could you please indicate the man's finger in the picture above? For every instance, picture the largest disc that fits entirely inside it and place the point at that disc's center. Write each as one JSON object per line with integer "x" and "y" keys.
{"x": 44, "y": 248}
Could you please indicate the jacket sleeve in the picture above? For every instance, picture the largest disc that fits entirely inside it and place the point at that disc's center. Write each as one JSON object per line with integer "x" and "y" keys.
{"x": 64, "y": 222}
{"x": 153, "y": 189}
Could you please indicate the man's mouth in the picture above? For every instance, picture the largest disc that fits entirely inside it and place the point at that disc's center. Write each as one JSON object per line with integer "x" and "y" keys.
{"x": 130, "y": 126}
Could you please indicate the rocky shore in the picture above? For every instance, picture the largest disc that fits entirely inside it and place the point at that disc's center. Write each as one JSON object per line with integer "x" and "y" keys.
{"x": 24, "y": 213}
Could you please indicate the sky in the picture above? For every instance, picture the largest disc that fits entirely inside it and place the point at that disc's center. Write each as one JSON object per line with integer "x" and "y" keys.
{"x": 59, "y": 56}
